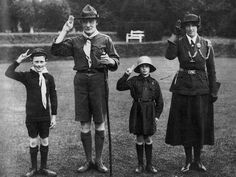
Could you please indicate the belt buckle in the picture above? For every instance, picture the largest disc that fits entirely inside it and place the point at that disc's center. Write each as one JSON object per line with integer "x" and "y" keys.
{"x": 191, "y": 72}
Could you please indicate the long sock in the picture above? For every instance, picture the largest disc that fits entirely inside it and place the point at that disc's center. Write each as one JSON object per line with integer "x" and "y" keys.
{"x": 86, "y": 139}
{"x": 33, "y": 156}
{"x": 44, "y": 156}
{"x": 99, "y": 142}
{"x": 197, "y": 153}
{"x": 139, "y": 149}
{"x": 188, "y": 154}
{"x": 148, "y": 153}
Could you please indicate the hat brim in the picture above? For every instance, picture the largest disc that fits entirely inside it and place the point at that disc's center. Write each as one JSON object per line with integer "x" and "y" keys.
{"x": 152, "y": 68}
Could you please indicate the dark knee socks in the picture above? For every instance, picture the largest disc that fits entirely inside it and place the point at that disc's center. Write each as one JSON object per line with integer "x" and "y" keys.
{"x": 44, "y": 156}
{"x": 139, "y": 149}
{"x": 99, "y": 141}
{"x": 86, "y": 139}
{"x": 33, "y": 156}
{"x": 148, "y": 153}
{"x": 188, "y": 154}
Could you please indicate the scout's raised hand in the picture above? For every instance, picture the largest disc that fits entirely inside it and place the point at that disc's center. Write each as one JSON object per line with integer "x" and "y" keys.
{"x": 69, "y": 24}
{"x": 177, "y": 29}
{"x": 130, "y": 70}
{"x": 23, "y": 56}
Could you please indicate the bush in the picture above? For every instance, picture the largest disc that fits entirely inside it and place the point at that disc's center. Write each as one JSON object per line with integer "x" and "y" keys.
{"x": 153, "y": 30}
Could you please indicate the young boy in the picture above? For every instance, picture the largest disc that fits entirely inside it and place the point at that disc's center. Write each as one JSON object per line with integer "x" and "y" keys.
{"x": 146, "y": 109}
{"x": 40, "y": 86}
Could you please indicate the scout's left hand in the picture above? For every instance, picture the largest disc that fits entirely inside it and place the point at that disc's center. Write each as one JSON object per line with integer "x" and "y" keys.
{"x": 106, "y": 60}
{"x": 53, "y": 121}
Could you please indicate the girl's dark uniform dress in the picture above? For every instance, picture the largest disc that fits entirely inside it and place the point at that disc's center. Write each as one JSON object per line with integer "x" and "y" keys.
{"x": 191, "y": 113}
{"x": 147, "y": 103}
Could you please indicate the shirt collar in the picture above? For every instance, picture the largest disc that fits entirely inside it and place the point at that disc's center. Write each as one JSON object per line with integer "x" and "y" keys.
{"x": 193, "y": 39}
{"x": 91, "y": 36}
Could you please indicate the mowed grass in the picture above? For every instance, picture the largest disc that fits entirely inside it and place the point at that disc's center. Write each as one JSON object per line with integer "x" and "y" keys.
{"x": 66, "y": 152}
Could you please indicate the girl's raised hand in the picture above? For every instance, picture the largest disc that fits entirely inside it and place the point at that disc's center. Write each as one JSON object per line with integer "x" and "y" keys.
{"x": 130, "y": 69}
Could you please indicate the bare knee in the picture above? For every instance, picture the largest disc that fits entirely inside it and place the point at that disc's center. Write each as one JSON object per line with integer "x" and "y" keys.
{"x": 139, "y": 139}
{"x": 85, "y": 127}
{"x": 33, "y": 142}
{"x": 44, "y": 141}
{"x": 148, "y": 139}
{"x": 100, "y": 126}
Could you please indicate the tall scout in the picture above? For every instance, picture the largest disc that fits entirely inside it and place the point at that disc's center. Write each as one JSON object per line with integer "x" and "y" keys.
{"x": 94, "y": 54}
{"x": 40, "y": 86}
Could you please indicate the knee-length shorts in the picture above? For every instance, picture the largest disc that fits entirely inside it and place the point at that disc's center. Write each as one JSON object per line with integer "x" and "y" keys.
{"x": 90, "y": 100}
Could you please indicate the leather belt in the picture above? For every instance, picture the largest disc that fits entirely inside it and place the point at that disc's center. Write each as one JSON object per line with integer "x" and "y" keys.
{"x": 188, "y": 71}
{"x": 91, "y": 70}
{"x": 143, "y": 100}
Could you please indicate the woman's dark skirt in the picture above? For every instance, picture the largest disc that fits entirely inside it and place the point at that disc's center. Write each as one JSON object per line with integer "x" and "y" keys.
{"x": 142, "y": 118}
{"x": 191, "y": 121}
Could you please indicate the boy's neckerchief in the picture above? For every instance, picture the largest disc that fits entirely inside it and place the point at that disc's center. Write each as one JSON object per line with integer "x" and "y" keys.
{"x": 42, "y": 84}
{"x": 87, "y": 46}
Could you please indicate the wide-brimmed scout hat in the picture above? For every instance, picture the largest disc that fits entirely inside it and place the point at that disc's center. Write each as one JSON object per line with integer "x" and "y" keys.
{"x": 38, "y": 52}
{"x": 89, "y": 12}
{"x": 144, "y": 60}
{"x": 191, "y": 18}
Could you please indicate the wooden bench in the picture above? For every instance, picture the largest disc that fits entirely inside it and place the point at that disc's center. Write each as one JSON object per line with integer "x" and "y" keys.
{"x": 139, "y": 35}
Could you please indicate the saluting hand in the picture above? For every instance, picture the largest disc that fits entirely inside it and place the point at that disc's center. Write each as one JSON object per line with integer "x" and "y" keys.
{"x": 69, "y": 24}
{"x": 130, "y": 70}
{"x": 23, "y": 56}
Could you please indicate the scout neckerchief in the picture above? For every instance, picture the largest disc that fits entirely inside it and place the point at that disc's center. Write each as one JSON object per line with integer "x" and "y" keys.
{"x": 42, "y": 84}
{"x": 192, "y": 42}
{"x": 87, "y": 46}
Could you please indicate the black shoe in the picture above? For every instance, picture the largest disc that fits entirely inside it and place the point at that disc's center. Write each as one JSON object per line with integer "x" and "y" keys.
{"x": 139, "y": 169}
{"x": 198, "y": 166}
{"x": 100, "y": 167}
{"x": 151, "y": 169}
{"x": 47, "y": 172}
{"x": 87, "y": 166}
{"x": 186, "y": 168}
{"x": 31, "y": 172}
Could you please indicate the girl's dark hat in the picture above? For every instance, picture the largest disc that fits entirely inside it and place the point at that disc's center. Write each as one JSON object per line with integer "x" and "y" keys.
{"x": 89, "y": 12}
{"x": 38, "y": 52}
{"x": 191, "y": 18}
{"x": 144, "y": 60}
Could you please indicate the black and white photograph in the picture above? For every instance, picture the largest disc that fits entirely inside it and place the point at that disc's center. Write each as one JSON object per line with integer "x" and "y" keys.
{"x": 117, "y": 88}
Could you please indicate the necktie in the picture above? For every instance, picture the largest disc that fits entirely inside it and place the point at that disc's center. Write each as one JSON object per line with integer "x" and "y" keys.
{"x": 87, "y": 50}
{"x": 42, "y": 84}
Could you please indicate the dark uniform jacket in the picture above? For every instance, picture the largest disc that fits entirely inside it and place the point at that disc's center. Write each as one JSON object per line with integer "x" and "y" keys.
{"x": 74, "y": 47}
{"x": 35, "y": 110}
{"x": 204, "y": 79}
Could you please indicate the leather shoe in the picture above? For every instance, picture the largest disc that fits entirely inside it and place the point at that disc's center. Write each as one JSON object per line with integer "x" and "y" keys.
{"x": 30, "y": 173}
{"x": 199, "y": 166}
{"x": 139, "y": 169}
{"x": 87, "y": 166}
{"x": 186, "y": 168}
{"x": 100, "y": 167}
{"x": 151, "y": 169}
{"x": 47, "y": 172}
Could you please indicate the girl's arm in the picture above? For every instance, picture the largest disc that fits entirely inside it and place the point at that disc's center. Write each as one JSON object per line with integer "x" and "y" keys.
{"x": 123, "y": 83}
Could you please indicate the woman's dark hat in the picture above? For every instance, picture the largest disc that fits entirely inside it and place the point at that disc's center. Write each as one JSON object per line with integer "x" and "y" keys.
{"x": 191, "y": 18}
{"x": 144, "y": 60}
{"x": 38, "y": 52}
{"x": 89, "y": 12}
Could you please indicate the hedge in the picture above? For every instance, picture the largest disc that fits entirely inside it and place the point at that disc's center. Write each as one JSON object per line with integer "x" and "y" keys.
{"x": 10, "y": 52}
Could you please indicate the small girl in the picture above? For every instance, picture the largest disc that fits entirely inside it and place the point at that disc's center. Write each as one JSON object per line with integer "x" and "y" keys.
{"x": 146, "y": 109}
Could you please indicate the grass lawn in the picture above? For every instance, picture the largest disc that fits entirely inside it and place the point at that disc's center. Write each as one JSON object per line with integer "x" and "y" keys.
{"x": 66, "y": 152}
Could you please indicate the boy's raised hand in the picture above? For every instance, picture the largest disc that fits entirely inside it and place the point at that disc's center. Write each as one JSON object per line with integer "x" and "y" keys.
{"x": 130, "y": 70}
{"x": 69, "y": 24}
{"x": 23, "y": 56}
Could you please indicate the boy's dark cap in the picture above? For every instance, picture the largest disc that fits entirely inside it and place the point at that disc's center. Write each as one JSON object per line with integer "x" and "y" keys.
{"x": 38, "y": 52}
{"x": 89, "y": 12}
